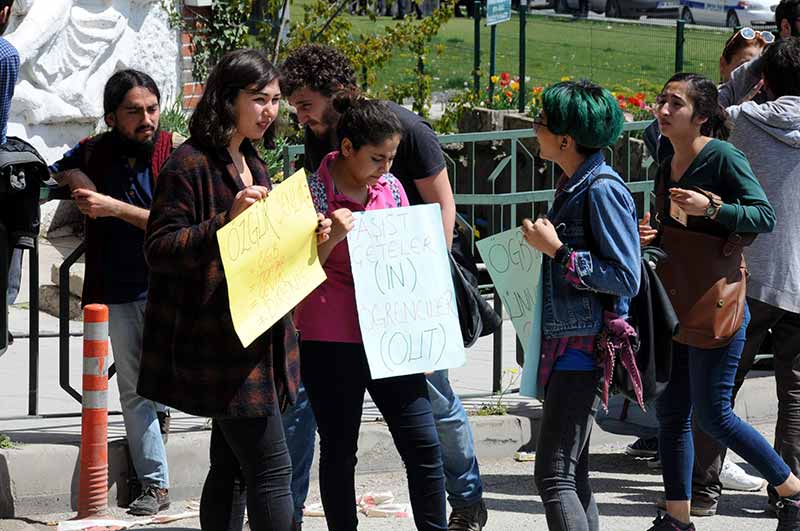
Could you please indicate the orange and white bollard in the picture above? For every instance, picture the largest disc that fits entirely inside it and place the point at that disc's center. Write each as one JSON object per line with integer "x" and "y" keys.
{"x": 93, "y": 488}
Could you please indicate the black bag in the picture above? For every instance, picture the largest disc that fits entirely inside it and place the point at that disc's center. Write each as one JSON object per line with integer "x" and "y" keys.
{"x": 475, "y": 315}
{"x": 652, "y": 316}
{"x": 22, "y": 172}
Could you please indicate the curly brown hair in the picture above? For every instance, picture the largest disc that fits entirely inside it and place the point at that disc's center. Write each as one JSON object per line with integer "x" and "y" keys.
{"x": 320, "y": 68}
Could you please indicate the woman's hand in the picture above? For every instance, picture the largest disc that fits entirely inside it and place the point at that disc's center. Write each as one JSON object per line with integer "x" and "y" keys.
{"x": 691, "y": 202}
{"x": 341, "y": 223}
{"x": 247, "y": 197}
{"x": 541, "y": 235}
{"x": 646, "y": 233}
{"x": 323, "y": 228}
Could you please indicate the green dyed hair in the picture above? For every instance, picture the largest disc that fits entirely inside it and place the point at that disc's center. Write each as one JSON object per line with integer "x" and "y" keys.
{"x": 585, "y": 111}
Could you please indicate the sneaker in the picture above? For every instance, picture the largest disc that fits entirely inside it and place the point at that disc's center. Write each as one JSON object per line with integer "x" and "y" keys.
{"x": 700, "y": 507}
{"x": 471, "y": 518}
{"x": 654, "y": 463}
{"x": 788, "y": 514}
{"x": 643, "y": 448}
{"x": 151, "y": 502}
{"x": 164, "y": 421}
{"x": 664, "y": 522}
{"x": 733, "y": 477}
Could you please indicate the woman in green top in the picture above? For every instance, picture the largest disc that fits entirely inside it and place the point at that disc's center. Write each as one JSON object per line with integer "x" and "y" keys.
{"x": 707, "y": 187}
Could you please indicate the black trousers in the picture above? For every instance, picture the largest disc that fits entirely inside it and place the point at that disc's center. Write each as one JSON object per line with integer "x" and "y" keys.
{"x": 335, "y": 376}
{"x": 248, "y": 455}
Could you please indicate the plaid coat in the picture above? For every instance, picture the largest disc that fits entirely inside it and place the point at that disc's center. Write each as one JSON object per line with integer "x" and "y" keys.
{"x": 192, "y": 358}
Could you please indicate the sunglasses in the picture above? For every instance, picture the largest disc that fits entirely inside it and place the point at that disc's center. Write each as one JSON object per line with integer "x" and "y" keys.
{"x": 749, "y": 34}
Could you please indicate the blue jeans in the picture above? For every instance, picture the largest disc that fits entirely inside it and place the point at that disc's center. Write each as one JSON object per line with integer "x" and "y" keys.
{"x": 702, "y": 383}
{"x": 462, "y": 475}
{"x": 300, "y": 428}
{"x": 14, "y": 276}
{"x": 125, "y": 326}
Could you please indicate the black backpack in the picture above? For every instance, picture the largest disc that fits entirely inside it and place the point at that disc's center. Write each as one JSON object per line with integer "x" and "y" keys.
{"x": 652, "y": 316}
{"x": 22, "y": 172}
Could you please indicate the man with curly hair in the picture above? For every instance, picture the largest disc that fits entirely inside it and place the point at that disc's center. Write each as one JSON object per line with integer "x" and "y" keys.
{"x": 310, "y": 76}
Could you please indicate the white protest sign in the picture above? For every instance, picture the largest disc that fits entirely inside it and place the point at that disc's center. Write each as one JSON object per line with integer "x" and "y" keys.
{"x": 404, "y": 291}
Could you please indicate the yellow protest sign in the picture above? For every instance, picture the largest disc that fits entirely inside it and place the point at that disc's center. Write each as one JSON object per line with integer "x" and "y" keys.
{"x": 269, "y": 253}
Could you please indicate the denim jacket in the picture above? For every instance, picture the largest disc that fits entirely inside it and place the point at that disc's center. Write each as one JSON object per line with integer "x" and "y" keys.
{"x": 607, "y": 259}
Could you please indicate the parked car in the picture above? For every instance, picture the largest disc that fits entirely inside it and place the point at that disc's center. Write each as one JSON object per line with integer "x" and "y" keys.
{"x": 732, "y": 14}
{"x": 637, "y": 8}
{"x": 623, "y": 8}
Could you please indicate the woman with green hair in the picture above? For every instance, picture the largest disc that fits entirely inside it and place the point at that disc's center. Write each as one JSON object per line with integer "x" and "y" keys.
{"x": 591, "y": 269}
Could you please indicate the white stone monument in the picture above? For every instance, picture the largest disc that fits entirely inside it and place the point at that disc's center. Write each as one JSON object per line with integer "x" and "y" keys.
{"x": 68, "y": 50}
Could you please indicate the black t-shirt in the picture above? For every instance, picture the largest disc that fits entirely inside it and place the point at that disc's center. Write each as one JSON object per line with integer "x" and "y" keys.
{"x": 419, "y": 154}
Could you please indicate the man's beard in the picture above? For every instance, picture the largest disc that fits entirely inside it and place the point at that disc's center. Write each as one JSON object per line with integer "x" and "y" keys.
{"x": 132, "y": 148}
{"x": 330, "y": 118}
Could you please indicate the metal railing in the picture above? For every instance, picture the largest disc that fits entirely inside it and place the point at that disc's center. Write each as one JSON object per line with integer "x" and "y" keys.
{"x": 498, "y": 180}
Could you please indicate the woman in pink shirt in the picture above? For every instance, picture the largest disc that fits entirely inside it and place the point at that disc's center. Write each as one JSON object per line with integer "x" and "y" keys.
{"x": 333, "y": 363}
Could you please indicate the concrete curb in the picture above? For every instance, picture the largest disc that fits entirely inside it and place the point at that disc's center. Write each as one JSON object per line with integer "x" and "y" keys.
{"x": 43, "y": 478}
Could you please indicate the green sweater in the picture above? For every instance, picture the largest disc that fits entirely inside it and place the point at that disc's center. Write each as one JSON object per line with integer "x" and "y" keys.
{"x": 724, "y": 170}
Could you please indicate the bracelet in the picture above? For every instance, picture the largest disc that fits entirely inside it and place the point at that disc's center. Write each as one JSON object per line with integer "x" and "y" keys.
{"x": 562, "y": 255}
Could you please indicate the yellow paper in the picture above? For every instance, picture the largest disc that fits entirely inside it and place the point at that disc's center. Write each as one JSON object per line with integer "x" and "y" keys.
{"x": 269, "y": 253}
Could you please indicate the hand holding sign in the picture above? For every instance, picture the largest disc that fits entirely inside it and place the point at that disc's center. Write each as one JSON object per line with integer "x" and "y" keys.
{"x": 515, "y": 269}
{"x": 269, "y": 252}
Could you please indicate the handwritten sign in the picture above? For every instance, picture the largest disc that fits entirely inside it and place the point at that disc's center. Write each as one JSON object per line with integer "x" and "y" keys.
{"x": 404, "y": 291}
{"x": 516, "y": 270}
{"x": 269, "y": 253}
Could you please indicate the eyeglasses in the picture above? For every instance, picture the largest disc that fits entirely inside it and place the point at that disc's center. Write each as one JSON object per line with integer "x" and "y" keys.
{"x": 538, "y": 123}
{"x": 749, "y": 34}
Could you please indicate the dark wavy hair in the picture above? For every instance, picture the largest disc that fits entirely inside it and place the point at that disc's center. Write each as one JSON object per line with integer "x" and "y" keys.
{"x": 320, "y": 68}
{"x": 118, "y": 86}
{"x": 364, "y": 121}
{"x": 705, "y": 100}
{"x": 585, "y": 111}
{"x": 789, "y": 10}
{"x": 782, "y": 67}
{"x": 213, "y": 122}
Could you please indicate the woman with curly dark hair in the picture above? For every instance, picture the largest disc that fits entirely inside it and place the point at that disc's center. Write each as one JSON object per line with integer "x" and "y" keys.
{"x": 192, "y": 358}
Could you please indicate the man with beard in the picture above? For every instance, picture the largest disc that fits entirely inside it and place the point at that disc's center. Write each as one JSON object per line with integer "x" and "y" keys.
{"x": 112, "y": 178}
{"x": 310, "y": 76}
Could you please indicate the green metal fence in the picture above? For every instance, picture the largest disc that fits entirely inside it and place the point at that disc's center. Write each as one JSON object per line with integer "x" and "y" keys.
{"x": 621, "y": 55}
{"x": 498, "y": 180}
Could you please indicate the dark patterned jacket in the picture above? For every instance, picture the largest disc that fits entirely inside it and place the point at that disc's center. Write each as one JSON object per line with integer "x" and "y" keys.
{"x": 192, "y": 358}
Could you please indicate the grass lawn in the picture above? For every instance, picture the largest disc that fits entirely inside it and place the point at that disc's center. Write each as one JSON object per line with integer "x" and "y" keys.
{"x": 621, "y": 56}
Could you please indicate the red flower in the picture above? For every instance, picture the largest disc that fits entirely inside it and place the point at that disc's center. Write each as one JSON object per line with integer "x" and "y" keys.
{"x": 505, "y": 76}
{"x": 622, "y": 103}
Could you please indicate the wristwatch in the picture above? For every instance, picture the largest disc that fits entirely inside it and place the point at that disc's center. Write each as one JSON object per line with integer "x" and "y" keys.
{"x": 713, "y": 207}
{"x": 714, "y": 203}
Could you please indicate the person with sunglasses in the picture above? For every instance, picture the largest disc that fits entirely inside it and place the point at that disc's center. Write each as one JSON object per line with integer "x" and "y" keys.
{"x": 741, "y": 47}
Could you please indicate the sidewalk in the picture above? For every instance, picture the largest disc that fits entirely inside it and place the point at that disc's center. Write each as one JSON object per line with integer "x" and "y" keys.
{"x": 40, "y": 474}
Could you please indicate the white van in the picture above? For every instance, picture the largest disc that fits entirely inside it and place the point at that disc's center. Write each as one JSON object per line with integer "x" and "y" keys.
{"x": 729, "y": 13}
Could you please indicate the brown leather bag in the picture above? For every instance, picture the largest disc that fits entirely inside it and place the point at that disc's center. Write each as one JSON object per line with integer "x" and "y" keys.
{"x": 705, "y": 277}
